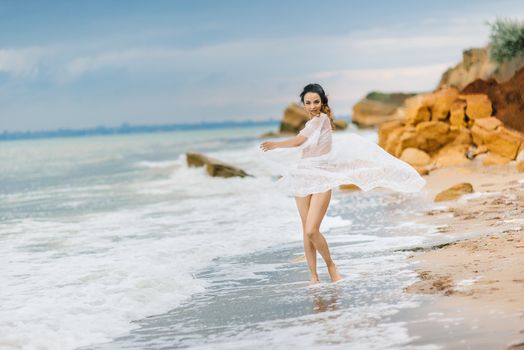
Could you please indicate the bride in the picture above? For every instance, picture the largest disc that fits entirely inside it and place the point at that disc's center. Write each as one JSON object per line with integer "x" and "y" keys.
{"x": 310, "y": 166}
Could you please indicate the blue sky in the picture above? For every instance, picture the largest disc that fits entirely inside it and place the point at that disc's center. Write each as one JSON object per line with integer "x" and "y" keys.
{"x": 73, "y": 64}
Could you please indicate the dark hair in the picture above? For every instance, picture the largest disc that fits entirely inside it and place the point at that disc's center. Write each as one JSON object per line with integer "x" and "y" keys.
{"x": 316, "y": 88}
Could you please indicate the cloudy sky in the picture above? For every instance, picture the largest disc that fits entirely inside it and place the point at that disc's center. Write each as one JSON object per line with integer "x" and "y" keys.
{"x": 73, "y": 64}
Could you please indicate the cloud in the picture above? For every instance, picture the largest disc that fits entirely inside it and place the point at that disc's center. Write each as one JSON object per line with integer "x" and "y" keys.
{"x": 21, "y": 62}
{"x": 348, "y": 86}
{"x": 265, "y": 52}
{"x": 128, "y": 59}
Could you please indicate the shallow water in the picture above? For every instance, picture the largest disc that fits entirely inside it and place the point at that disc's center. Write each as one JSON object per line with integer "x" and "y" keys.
{"x": 112, "y": 242}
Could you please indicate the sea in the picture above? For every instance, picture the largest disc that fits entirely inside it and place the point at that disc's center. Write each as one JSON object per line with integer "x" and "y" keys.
{"x": 113, "y": 242}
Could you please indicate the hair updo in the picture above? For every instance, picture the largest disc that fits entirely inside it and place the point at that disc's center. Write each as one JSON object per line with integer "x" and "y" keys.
{"x": 316, "y": 88}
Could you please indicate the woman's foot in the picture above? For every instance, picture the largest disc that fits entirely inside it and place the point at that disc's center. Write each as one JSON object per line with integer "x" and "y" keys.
{"x": 314, "y": 279}
{"x": 333, "y": 273}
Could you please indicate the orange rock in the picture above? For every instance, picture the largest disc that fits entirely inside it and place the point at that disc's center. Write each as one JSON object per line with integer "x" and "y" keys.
{"x": 393, "y": 139}
{"x": 495, "y": 159}
{"x": 370, "y": 112}
{"x": 520, "y": 166}
{"x": 451, "y": 155}
{"x": 432, "y": 135}
{"x": 340, "y": 124}
{"x": 416, "y": 110}
{"x": 349, "y": 187}
{"x": 504, "y": 142}
{"x": 458, "y": 113}
{"x": 440, "y": 102}
{"x": 385, "y": 129}
{"x": 477, "y": 106}
{"x": 454, "y": 192}
{"x": 408, "y": 138}
{"x": 421, "y": 169}
{"x": 478, "y": 134}
{"x": 489, "y": 123}
{"x": 507, "y": 97}
{"x": 295, "y": 117}
{"x": 459, "y": 135}
{"x": 414, "y": 156}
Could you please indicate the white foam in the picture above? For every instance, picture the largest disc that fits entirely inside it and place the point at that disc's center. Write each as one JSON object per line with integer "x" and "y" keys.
{"x": 159, "y": 164}
{"x": 81, "y": 280}
{"x": 68, "y": 284}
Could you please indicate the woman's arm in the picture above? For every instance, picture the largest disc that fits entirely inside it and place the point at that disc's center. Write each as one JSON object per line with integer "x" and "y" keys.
{"x": 296, "y": 141}
{"x": 292, "y": 142}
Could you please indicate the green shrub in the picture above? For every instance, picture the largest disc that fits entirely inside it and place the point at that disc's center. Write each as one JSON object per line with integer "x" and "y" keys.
{"x": 506, "y": 39}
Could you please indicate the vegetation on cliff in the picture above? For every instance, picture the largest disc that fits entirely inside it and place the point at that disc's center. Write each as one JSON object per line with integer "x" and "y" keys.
{"x": 506, "y": 40}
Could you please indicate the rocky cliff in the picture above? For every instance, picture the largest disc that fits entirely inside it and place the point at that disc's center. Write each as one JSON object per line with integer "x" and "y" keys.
{"x": 476, "y": 64}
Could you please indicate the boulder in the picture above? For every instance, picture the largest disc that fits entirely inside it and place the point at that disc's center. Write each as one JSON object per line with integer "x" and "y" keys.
{"x": 415, "y": 157}
{"x": 457, "y": 112}
{"x": 416, "y": 111}
{"x": 451, "y": 155}
{"x": 295, "y": 117}
{"x": 219, "y": 169}
{"x": 213, "y": 166}
{"x": 440, "y": 102}
{"x": 459, "y": 136}
{"x": 368, "y": 113}
{"x": 507, "y": 98}
{"x": 432, "y": 135}
{"x": 195, "y": 160}
{"x": 349, "y": 187}
{"x": 479, "y": 135}
{"x": 504, "y": 142}
{"x": 393, "y": 139}
{"x": 408, "y": 138}
{"x": 378, "y": 108}
{"x": 489, "y": 124}
{"x": 340, "y": 124}
{"x": 494, "y": 159}
{"x": 520, "y": 166}
{"x": 477, "y": 106}
{"x": 454, "y": 192}
{"x": 385, "y": 129}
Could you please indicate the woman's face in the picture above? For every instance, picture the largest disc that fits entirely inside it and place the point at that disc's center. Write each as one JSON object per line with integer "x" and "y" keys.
{"x": 312, "y": 103}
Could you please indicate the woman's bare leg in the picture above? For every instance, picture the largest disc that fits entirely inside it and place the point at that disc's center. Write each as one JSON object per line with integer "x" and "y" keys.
{"x": 317, "y": 209}
{"x": 309, "y": 248}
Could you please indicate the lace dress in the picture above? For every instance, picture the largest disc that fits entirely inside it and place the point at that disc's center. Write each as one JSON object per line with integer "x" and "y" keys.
{"x": 319, "y": 164}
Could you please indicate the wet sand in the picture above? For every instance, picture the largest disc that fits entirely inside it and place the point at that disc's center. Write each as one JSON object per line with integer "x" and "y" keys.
{"x": 478, "y": 279}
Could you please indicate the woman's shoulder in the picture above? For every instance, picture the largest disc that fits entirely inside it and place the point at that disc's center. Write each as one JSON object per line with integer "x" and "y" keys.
{"x": 321, "y": 117}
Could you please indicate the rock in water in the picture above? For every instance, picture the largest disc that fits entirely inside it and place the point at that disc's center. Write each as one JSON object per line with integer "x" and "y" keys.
{"x": 214, "y": 167}
{"x": 224, "y": 170}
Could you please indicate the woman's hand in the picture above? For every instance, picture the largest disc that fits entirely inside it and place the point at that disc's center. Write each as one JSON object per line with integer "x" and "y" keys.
{"x": 268, "y": 145}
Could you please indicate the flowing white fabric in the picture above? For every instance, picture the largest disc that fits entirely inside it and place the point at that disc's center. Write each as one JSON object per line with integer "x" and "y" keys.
{"x": 319, "y": 165}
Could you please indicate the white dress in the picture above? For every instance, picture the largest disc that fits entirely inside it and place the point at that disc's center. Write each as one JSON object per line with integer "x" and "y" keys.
{"x": 319, "y": 165}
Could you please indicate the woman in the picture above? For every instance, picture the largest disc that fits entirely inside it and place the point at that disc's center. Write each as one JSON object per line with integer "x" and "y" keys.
{"x": 311, "y": 166}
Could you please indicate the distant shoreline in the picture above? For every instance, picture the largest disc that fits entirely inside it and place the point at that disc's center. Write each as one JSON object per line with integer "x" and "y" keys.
{"x": 130, "y": 129}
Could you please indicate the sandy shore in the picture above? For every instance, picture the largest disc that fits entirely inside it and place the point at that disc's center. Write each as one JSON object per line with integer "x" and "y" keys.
{"x": 479, "y": 278}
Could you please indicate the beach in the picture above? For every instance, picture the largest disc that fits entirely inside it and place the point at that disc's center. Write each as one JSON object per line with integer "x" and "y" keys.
{"x": 478, "y": 278}
{"x": 131, "y": 249}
